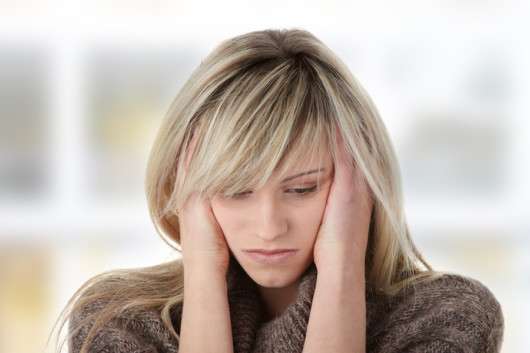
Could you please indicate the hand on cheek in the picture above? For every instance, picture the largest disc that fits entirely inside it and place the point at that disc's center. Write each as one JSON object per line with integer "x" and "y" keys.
{"x": 205, "y": 324}
{"x": 343, "y": 235}
{"x": 202, "y": 241}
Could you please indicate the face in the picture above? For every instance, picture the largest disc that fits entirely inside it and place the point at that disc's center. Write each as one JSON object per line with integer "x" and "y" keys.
{"x": 271, "y": 230}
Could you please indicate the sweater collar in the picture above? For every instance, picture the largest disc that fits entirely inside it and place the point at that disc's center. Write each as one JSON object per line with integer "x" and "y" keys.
{"x": 285, "y": 333}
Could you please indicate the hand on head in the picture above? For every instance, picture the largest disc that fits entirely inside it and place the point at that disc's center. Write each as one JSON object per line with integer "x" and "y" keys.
{"x": 343, "y": 235}
{"x": 202, "y": 241}
{"x": 341, "y": 240}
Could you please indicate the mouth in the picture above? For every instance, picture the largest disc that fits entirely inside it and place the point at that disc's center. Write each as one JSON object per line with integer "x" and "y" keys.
{"x": 270, "y": 257}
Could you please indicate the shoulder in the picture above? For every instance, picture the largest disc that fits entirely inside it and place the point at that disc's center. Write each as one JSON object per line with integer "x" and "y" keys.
{"x": 104, "y": 318}
{"x": 443, "y": 313}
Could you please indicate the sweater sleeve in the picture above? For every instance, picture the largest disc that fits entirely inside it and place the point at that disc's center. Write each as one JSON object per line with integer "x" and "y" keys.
{"x": 141, "y": 331}
{"x": 447, "y": 314}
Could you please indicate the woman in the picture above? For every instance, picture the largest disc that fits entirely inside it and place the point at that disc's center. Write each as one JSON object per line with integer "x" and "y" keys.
{"x": 275, "y": 175}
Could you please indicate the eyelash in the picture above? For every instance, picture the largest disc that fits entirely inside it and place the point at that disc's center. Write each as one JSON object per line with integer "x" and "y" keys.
{"x": 304, "y": 191}
{"x": 239, "y": 195}
{"x": 298, "y": 192}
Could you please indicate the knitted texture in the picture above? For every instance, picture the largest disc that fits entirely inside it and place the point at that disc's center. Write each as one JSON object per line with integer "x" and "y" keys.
{"x": 449, "y": 313}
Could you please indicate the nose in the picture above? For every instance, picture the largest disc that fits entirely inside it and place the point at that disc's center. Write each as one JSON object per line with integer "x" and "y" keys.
{"x": 271, "y": 221}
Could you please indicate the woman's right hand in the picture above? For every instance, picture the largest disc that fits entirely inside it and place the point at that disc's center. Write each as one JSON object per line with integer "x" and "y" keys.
{"x": 202, "y": 241}
{"x": 205, "y": 325}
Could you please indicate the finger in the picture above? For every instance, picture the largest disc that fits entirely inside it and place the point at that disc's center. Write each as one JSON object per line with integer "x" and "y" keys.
{"x": 349, "y": 183}
{"x": 343, "y": 180}
{"x": 196, "y": 218}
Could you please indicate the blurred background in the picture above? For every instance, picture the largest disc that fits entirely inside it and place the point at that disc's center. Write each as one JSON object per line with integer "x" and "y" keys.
{"x": 85, "y": 84}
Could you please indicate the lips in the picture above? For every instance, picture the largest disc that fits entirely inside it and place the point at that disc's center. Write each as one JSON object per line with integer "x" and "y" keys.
{"x": 271, "y": 257}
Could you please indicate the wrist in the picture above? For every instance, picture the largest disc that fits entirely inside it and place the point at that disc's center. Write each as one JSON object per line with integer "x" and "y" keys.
{"x": 203, "y": 275}
{"x": 205, "y": 262}
{"x": 340, "y": 260}
{"x": 342, "y": 274}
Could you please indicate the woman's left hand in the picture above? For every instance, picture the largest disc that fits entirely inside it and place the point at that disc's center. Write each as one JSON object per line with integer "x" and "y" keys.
{"x": 337, "y": 322}
{"x": 343, "y": 235}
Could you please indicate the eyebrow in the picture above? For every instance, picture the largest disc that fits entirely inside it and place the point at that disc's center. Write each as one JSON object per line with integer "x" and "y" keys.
{"x": 312, "y": 171}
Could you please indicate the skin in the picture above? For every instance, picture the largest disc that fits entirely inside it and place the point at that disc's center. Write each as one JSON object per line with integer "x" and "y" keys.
{"x": 283, "y": 214}
{"x": 337, "y": 322}
{"x": 328, "y": 226}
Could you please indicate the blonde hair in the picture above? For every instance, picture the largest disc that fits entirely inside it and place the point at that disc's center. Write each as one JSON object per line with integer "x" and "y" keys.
{"x": 256, "y": 104}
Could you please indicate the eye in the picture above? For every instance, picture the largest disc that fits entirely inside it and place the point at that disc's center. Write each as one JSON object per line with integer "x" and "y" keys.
{"x": 303, "y": 191}
{"x": 239, "y": 195}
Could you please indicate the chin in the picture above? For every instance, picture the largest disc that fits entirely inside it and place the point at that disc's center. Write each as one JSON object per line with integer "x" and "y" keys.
{"x": 274, "y": 278}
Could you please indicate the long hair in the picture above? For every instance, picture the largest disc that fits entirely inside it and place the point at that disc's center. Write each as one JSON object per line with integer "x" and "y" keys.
{"x": 257, "y": 103}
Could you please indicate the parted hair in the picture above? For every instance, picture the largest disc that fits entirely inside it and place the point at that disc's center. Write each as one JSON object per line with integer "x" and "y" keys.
{"x": 255, "y": 105}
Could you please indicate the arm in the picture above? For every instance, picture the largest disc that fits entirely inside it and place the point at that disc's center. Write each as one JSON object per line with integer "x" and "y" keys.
{"x": 338, "y": 315}
{"x": 205, "y": 321}
{"x": 205, "y": 325}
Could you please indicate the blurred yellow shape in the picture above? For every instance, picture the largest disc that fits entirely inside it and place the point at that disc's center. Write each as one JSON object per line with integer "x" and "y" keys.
{"x": 24, "y": 298}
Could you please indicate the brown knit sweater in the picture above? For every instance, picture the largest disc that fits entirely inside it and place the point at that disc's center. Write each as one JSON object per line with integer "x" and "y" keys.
{"x": 447, "y": 314}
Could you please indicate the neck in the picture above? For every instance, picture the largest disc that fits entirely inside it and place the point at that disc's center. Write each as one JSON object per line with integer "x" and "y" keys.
{"x": 277, "y": 300}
